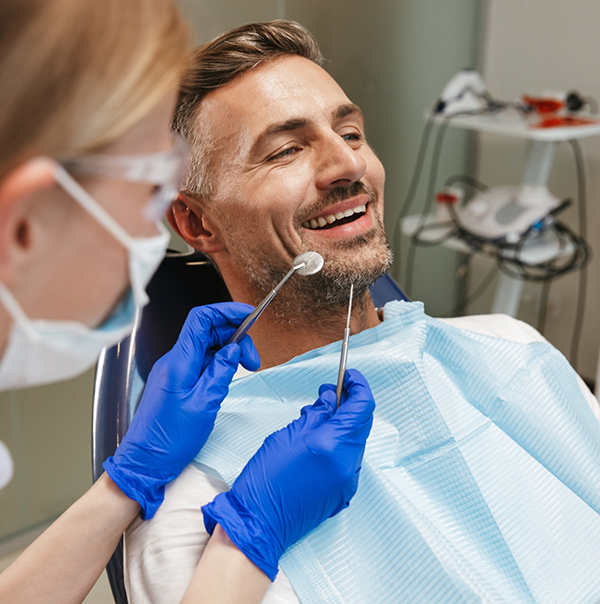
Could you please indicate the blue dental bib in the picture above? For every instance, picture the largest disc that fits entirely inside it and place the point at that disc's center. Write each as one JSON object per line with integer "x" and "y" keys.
{"x": 481, "y": 477}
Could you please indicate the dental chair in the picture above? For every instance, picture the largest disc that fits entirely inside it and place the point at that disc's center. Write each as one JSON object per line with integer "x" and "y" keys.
{"x": 183, "y": 280}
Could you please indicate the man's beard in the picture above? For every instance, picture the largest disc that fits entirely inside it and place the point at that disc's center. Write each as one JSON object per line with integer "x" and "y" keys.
{"x": 322, "y": 295}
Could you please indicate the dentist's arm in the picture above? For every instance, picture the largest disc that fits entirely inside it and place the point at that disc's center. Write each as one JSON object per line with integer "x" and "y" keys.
{"x": 301, "y": 475}
{"x": 175, "y": 417}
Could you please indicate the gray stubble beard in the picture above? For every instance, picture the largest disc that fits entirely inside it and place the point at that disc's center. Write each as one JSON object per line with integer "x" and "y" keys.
{"x": 323, "y": 297}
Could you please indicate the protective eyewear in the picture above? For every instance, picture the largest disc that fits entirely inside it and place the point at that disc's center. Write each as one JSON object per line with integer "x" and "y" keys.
{"x": 164, "y": 169}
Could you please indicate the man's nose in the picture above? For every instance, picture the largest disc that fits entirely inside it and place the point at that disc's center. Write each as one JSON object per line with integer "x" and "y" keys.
{"x": 339, "y": 164}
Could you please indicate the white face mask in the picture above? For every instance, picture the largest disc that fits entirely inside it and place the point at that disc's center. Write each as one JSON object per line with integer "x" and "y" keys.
{"x": 42, "y": 351}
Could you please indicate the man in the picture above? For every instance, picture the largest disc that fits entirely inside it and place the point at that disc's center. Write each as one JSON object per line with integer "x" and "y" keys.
{"x": 253, "y": 205}
{"x": 280, "y": 165}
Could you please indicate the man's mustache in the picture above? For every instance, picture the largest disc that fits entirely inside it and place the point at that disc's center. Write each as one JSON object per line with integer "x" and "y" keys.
{"x": 331, "y": 198}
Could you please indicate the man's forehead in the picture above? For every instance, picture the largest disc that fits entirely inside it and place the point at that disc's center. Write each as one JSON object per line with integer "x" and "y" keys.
{"x": 274, "y": 96}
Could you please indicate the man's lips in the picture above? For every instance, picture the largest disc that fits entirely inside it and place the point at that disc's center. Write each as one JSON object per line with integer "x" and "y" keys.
{"x": 341, "y": 213}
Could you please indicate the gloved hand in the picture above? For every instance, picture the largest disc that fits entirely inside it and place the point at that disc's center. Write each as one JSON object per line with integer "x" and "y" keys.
{"x": 181, "y": 400}
{"x": 301, "y": 475}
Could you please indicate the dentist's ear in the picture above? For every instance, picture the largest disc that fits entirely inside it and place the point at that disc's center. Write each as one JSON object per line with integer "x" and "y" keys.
{"x": 192, "y": 224}
{"x": 17, "y": 190}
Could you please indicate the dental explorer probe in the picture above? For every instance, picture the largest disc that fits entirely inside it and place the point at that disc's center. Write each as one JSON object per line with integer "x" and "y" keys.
{"x": 344, "y": 355}
{"x": 307, "y": 263}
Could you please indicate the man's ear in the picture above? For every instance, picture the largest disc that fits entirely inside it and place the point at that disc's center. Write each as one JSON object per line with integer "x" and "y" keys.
{"x": 193, "y": 225}
{"x": 17, "y": 190}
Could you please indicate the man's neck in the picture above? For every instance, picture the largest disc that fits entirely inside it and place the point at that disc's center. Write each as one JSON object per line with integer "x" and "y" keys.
{"x": 278, "y": 341}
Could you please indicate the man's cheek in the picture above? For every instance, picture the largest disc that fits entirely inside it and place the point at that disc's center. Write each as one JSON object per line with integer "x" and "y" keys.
{"x": 375, "y": 173}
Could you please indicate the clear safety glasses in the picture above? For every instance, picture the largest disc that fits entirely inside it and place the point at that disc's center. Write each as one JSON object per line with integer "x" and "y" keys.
{"x": 164, "y": 169}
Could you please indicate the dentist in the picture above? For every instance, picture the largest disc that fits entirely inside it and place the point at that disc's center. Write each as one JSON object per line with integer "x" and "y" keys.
{"x": 88, "y": 167}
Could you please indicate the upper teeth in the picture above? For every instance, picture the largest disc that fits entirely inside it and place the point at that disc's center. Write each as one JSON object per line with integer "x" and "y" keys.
{"x": 321, "y": 221}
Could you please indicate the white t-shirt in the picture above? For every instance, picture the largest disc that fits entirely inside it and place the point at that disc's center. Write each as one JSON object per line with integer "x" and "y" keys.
{"x": 162, "y": 553}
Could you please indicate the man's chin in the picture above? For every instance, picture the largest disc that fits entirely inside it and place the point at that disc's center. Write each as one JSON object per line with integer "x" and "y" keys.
{"x": 359, "y": 260}
{"x": 360, "y": 264}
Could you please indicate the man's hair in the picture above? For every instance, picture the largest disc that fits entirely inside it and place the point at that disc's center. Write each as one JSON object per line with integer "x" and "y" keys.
{"x": 216, "y": 64}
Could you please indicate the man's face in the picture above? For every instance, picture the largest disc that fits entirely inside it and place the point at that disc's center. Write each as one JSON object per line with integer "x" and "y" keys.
{"x": 294, "y": 173}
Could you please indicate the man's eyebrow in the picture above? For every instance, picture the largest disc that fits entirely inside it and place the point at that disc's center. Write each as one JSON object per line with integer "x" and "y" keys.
{"x": 347, "y": 109}
{"x": 296, "y": 123}
{"x": 275, "y": 129}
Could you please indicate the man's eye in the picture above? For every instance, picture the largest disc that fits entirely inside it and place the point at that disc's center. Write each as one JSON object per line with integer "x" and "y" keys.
{"x": 285, "y": 153}
{"x": 352, "y": 136}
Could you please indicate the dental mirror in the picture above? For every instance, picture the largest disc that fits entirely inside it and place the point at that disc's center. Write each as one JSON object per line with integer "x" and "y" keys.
{"x": 307, "y": 263}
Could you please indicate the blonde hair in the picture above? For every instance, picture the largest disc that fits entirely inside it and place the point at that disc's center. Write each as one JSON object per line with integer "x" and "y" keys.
{"x": 77, "y": 74}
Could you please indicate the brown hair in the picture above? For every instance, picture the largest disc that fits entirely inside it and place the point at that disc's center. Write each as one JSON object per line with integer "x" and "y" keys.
{"x": 220, "y": 62}
{"x": 77, "y": 74}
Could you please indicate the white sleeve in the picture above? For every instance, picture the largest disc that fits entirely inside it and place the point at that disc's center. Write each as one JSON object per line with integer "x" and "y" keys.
{"x": 508, "y": 328}
{"x": 161, "y": 554}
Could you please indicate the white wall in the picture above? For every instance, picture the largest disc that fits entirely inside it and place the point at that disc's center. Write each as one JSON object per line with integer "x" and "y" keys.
{"x": 48, "y": 432}
{"x": 528, "y": 47}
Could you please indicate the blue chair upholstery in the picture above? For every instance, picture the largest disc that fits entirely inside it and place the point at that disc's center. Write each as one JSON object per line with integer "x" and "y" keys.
{"x": 385, "y": 290}
{"x": 182, "y": 282}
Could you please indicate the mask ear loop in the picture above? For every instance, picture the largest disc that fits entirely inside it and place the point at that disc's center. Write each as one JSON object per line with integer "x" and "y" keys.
{"x": 14, "y": 309}
{"x": 90, "y": 205}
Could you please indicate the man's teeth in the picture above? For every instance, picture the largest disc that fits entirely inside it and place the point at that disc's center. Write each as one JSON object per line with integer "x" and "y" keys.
{"x": 321, "y": 221}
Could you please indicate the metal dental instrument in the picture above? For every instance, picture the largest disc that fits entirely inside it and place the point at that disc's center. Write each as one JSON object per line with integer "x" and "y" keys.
{"x": 307, "y": 263}
{"x": 344, "y": 355}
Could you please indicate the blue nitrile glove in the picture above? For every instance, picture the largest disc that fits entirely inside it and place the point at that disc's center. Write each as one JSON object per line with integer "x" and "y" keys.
{"x": 183, "y": 395}
{"x": 300, "y": 476}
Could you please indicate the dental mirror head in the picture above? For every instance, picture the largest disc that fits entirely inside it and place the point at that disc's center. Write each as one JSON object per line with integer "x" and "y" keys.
{"x": 308, "y": 263}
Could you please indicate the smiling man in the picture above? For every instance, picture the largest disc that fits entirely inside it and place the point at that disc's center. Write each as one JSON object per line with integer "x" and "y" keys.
{"x": 479, "y": 481}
